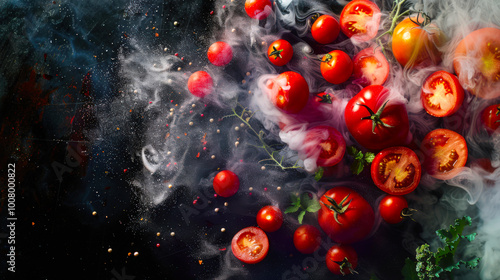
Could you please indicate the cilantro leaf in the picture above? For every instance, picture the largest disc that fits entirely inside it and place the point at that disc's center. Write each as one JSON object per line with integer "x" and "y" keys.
{"x": 314, "y": 206}
{"x": 360, "y": 159}
{"x": 292, "y": 209}
{"x": 301, "y": 216}
{"x": 357, "y": 167}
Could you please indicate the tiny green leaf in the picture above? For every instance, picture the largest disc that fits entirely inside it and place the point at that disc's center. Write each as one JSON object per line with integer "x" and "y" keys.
{"x": 301, "y": 216}
{"x": 295, "y": 199}
{"x": 314, "y": 206}
{"x": 356, "y": 167}
{"x": 319, "y": 174}
{"x": 352, "y": 151}
{"x": 369, "y": 157}
{"x": 409, "y": 270}
{"x": 292, "y": 209}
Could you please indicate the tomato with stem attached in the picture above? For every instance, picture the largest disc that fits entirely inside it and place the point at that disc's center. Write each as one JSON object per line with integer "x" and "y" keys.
{"x": 325, "y": 29}
{"x": 345, "y": 215}
{"x": 226, "y": 183}
{"x": 307, "y": 239}
{"x": 289, "y": 92}
{"x": 258, "y": 9}
{"x": 326, "y": 144}
{"x": 370, "y": 67}
{"x": 269, "y": 218}
{"x": 342, "y": 260}
{"x": 280, "y": 52}
{"x": 200, "y": 84}
{"x": 375, "y": 121}
{"x": 396, "y": 170}
{"x": 250, "y": 245}
{"x": 220, "y": 53}
{"x": 491, "y": 117}
{"x": 394, "y": 209}
{"x": 441, "y": 95}
{"x": 360, "y": 20}
{"x": 445, "y": 153}
{"x": 336, "y": 67}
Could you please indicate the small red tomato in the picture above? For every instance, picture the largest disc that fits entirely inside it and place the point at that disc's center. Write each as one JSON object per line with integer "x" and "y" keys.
{"x": 491, "y": 117}
{"x": 258, "y": 9}
{"x": 226, "y": 183}
{"x": 200, "y": 84}
{"x": 220, "y": 53}
{"x": 326, "y": 144}
{"x": 442, "y": 95}
{"x": 393, "y": 209}
{"x": 342, "y": 259}
{"x": 360, "y": 20}
{"x": 336, "y": 67}
{"x": 250, "y": 245}
{"x": 325, "y": 29}
{"x": 280, "y": 52}
{"x": 370, "y": 67}
{"x": 270, "y": 218}
{"x": 289, "y": 92}
{"x": 307, "y": 239}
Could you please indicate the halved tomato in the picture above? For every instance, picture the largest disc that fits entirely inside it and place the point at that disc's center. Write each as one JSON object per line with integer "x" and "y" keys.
{"x": 442, "y": 95}
{"x": 371, "y": 67}
{"x": 326, "y": 143}
{"x": 250, "y": 245}
{"x": 396, "y": 170}
{"x": 445, "y": 153}
{"x": 360, "y": 20}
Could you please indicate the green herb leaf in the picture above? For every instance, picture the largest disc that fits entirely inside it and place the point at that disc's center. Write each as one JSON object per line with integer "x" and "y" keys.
{"x": 357, "y": 167}
{"x": 352, "y": 151}
{"x": 314, "y": 206}
{"x": 295, "y": 199}
{"x": 292, "y": 209}
{"x": 369, "y": 157}
{"x": 305, "y": 200}
{"x": 301, "y": 216}
{"x": 409, "y": 270}
{"x": 319, "y": 174}
{"x": 360, "y": 160}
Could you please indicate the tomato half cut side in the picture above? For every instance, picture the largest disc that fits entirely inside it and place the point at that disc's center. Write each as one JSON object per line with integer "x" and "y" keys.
{"x": 442, "y": 95}
{"x": 396, "y": 170}
{"x": 326, "y": 143}
{"x": 371, "y": 67}
{"x": 445, "y": 153}
{"x": 250, "y": 245}
{"x": 360, "y": 20}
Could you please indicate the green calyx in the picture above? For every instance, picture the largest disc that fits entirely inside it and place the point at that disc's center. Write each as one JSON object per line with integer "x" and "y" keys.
{"x": 375, "y": 117}
{"x": 326, "y": 98}
{"x": 345, "y": 264}
{"x": 337, "y": 208}
{"x": 276, "y": 53}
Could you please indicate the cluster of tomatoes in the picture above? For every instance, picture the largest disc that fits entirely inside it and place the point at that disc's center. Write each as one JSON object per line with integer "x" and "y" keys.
{"x": 375, "y": 119}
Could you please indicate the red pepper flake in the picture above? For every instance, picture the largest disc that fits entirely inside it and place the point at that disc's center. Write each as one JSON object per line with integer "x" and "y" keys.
{"x": 224, "y": 6}
{"x": 157, "y": 35}
{"x": 222, "y": 249}
{"x": 202, "y": 115}
{"x": 265, "y": 189}
{"x": 125, "y": 170}
{"x": 157, "y": 245}
{"x": 211, "y": 12}
{"x": 176, "y": 54}
{"x": 198, "y": 155}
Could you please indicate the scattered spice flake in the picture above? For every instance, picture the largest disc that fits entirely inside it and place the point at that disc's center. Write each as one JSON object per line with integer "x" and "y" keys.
{"x": 198, "y": 155}
{"x": 125, "y": 170}
{"x": 222, "y": 249}
{"x": 200, "y": 261}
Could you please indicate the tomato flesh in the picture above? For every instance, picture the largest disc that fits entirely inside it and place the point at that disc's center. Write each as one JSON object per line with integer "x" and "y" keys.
{"x": 371, "y": 67}
{"x": 360, "y": 20}
{"x": 442, "y": 95}
{"x": 250, "y": 245}
{"x": 326, "y": 143}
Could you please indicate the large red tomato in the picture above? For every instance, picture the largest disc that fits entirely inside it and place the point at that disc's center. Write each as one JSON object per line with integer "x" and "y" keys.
{"x": 250, "y": 245}
{"x": 415, "y": 42}
{"x": 325, "y": 29}
{"x": 477, "y": 62}
{"x": 336, "y": 67}
{"x": 360, "y": 20}
{"x": 442, "y": 95}
{"x": 376, "y": 122}
{"x": 326, "y": 144}
{"x": 371, "y": 67}
{"x": 289, "y": 92}
{"x": 345, "y": 215}
{"x": 491, "y": 117}
{"x": 259, "y": 9}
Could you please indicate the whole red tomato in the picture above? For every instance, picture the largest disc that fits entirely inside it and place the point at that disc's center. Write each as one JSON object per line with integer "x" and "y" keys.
{"x": 345, "y": 215}
{"x": 258, "y": 9}
{"x": 360, "y": 20}
{"x": 491, "y": 117}
{"x": 226, "y": 183}
{"x": 341, "y": 259}
{"x": 325, "y": 29}
{"x": 415, "y": 42}
{"x": 220, "y": 53}
{"x": 376, "y": 122}
{"x": 200, "y": 84}
{"x": 477, "y": 62}
{"x": 289, "y": 92}
{"x": 393, "y": 209}
{"x": 336, "y": 67}
{"x": 307, "y": 239}
{"x": 270, "y": 218}
{"x": 280, "y": 52}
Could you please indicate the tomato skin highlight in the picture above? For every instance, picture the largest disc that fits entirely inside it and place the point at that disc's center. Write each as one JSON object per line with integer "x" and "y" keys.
{"x": 258, "y": 9}
{"x": 307, "y": 239}
{"x": 394, "y": 115}
{"x": 289, "y": 92}
{"x": 325, "y": 29}
{"x": 250, "y": 245}
{"x": 336, "y": 67}
{"x": 226, "y": 183}
{"x": 326, "y": 143}
{"x": 370, "y": 67}
{"x": 477, "y": 62}
{"x": 270, "y": 218}
{"x": 491, "y": 117}
{"x": 220, "y": 53}
{"x": 337, "y": 254}
{"x": 399, "y": 161}
{"x": 392, "y": 207}
{"x": 360, "y": 20}
{"x": 442, "y": 95}
{"x": 445, "y": 153}
{"x": 200, "y": 84}
{"x": 415, "y": 46}
{"x": 354, "y": 224}
{"x": 280, "y": 52}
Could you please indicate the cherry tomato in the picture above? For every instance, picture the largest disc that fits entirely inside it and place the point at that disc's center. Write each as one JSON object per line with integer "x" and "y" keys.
{"x": 326, "y": 144}
{"x": 270, "y": 218}
{"x": 491, "y": 117}
{"x": 307, "y": 239}
{"x": 325, "y": 29}
{"x": 341, "y": 259}
{"x": 442, "y": 95}
{"x": 258, "y": 9}
{"x": 360, "y": 20}
{"x": 220, "y": 53}
{"x": 415, "y": 42}
{"x": 226, "y": 183}
{"x": 396, "y": 170}
{"x": 289, "y": 92}
{"x": 393, "y": 209}
{"x": 477, "y": 62}
{"x": 336, "y": 67}
{"x": 250, "y": 245}
{"x": 376, "y": 122}
{"x": 345, "y": 215}
{"x": 200, "y": 84}
{"x": 280, "y": 52}
{"x": 371, "y": 67}
{"x": 445, "y": 153}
